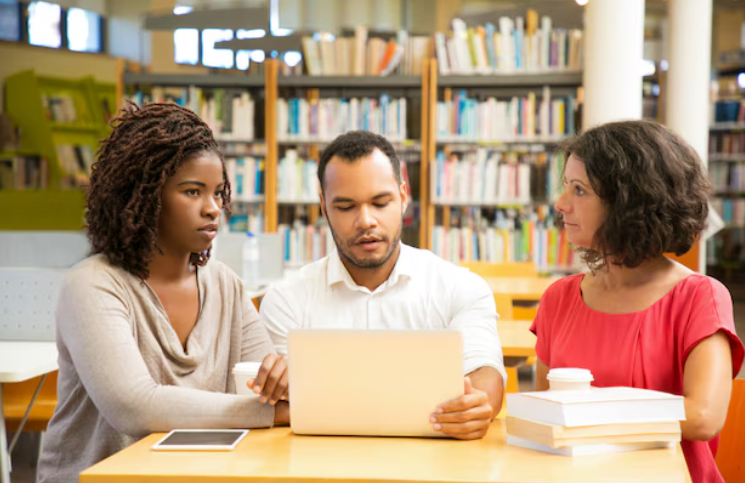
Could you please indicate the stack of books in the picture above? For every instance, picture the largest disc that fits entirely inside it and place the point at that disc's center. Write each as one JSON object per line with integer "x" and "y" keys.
{"x": 594, "y": 421}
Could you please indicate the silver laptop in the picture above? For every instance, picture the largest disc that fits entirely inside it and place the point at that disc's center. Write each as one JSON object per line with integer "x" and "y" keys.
{"x": 372, "y": 382}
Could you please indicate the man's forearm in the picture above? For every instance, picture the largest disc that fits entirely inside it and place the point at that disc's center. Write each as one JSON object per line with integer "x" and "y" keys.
{"x": 490, "y": 381}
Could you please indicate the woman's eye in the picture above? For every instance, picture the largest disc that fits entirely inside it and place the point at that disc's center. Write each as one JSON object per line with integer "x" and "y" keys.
{"x": 343, "y": 208}
{"x": 382, "y": 205}
{"x": 579, "y": 190}
{"x": 219, "y": 193}
{"x": 192, "y": 192}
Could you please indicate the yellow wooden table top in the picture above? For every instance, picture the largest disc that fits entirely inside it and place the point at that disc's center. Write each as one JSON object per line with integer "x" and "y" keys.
{"x": 520, "y": 288}
{"x": 278, "y": 455}
{"x": 516, "y": 338}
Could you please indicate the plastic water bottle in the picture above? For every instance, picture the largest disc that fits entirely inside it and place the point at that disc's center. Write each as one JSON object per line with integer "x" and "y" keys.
{"x": 251, "y": 271}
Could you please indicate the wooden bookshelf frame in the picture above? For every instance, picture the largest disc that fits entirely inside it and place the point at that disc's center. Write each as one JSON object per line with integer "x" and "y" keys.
{"x": 427, "y": 83}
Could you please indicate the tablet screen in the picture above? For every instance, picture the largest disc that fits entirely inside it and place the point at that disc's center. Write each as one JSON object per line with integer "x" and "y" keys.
{"x": 201, "y": 439}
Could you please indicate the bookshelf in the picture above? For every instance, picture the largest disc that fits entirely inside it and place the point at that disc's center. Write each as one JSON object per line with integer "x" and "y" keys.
{"x": 725, "y": 256}
{"x": 274, "y": 155}
{"x": 493, "y": 171}
{"x": 62, "y": 120}
{"x": 291, "y": 206}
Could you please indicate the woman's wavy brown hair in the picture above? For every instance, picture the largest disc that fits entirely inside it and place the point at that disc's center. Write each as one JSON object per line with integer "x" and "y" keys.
{"x": 148, "y": 144}
{"x": 654, "y": 188}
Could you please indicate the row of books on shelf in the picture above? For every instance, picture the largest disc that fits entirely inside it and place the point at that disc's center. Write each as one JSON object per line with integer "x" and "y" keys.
{"x": 510, "y": 238}
{"x": 727, "y": 177}
{"x": 324, "y": 119}
{"x": 19, "y": 172}
{"x": 297, "y": 179}
{"x": 230, "y": 113}
{"x": 246, "y": 218}
{"x": 246, "y": 177}
{"x": 59, "y": 108}
{"x": 724, "y": 144}
{"x": 304, "y": 243}
{"x": 75, "y": 161}
{"x": 491, "y": 119}
{"x": 365, "y": 55}
{"x": 727, "y": 247}
{"x": 519, "y": 44}
{"x": 732, "y": 210}
{"x": 729, "y": 110}
{"x": 484, "y": 177}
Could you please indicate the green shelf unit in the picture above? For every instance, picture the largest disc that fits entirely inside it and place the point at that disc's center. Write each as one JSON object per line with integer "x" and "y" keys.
{"x": 25, "y": 93}
{"x": 42, "y": 210}
{"x": 104, "y": 94}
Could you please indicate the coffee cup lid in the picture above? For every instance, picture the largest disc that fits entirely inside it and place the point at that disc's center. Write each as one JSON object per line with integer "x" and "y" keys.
{"x": 247, "y": 367}
{"x": 570, "y": 374}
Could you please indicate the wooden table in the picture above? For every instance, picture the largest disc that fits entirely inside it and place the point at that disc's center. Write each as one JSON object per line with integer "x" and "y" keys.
{"x": 516, "y": 338}
{"x": 520, "y": 288}
{"x": 278, "y": 455}
{"x": 20, "y": 361}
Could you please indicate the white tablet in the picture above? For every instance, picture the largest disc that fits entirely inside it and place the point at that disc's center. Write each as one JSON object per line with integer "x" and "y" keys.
{"x": 200, "y": 440}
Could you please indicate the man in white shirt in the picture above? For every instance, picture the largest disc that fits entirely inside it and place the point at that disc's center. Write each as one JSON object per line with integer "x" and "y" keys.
{"x": 373, "y": 281}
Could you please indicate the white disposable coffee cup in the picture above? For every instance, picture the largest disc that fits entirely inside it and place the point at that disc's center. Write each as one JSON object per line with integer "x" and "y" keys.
{"x": 569, "y": 378}
{"x": 243, "y": 372}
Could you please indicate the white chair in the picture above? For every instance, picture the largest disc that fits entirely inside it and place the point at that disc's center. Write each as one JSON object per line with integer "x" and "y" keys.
{"x": 28, "y": 299}
{"x": 42, "y": 249}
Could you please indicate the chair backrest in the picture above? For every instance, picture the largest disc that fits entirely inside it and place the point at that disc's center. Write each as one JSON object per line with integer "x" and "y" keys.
{"x": 511, "y": 269}
{"x": 732, "y": 438}
{"x": 504, "y": 306}
{"x": 28, "y": 302}
{"x": 42, "y": 249}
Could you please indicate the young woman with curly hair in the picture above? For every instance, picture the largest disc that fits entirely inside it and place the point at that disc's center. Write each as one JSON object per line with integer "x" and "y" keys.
{"x": 147, "y": 330}
{"x": 634, "y": 191}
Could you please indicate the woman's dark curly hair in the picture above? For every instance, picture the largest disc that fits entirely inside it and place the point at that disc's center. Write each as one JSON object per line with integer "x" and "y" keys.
{"x": 654, "y": 188}
{"x": 148, "y": 144}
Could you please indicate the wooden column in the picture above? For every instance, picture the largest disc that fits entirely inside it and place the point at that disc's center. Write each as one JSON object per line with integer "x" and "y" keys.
{"x": 271, "y": 69}
{"x": 432, "y": 142}
{"x": 424, "y": 164}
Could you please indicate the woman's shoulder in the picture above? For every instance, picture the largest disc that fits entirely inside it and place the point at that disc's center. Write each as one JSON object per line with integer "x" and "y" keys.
{"x": 96, "y": 270}
{"x": 217, "y": 273}
{"x": 562, "y": 288}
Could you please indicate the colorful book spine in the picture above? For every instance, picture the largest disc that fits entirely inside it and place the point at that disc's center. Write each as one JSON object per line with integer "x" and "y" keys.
{"x": 246, "y": 176}
{"x": 303, "y": 244}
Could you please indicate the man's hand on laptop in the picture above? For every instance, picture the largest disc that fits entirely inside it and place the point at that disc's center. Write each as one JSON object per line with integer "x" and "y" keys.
{"x": 271, "y": 383}
{"x": 465, "y": 417}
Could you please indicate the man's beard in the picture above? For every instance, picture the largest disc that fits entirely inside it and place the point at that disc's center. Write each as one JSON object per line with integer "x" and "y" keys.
{"x": 345, "y": 249}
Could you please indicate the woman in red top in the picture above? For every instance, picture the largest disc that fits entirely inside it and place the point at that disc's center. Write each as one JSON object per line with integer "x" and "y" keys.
{"x": 633, "y": 191}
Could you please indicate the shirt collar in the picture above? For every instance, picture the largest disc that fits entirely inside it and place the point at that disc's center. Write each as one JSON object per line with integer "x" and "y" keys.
{"x": 336, "y": 272}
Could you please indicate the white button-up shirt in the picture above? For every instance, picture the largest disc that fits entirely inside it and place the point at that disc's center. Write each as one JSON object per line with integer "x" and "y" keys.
{"x": 422, "y": 292}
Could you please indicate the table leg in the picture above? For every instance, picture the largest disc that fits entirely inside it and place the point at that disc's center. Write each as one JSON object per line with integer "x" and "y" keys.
{"x": 4, "y": 453}
{"x": 25, "y": 415}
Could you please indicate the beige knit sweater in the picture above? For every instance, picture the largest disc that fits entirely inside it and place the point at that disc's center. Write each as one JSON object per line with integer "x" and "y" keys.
{"x": 123, "y": 372}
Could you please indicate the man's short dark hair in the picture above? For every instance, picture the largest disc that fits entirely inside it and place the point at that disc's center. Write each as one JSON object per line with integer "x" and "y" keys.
{"x": 653, "y": 185}
{"x": 355, "y": 145}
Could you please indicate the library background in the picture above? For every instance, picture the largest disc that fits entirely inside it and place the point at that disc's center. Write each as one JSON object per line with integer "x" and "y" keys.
{"x": 475, "y": 95}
